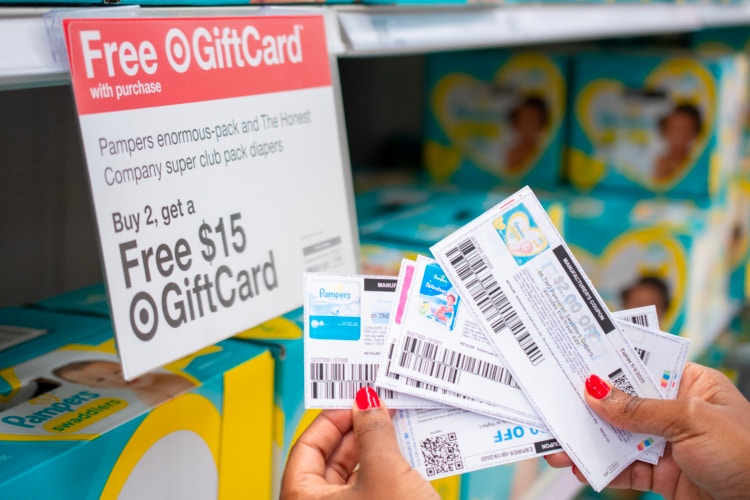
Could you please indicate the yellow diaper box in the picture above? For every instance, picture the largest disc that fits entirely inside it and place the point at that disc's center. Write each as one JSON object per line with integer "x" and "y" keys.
{"x": 72, "y": 427}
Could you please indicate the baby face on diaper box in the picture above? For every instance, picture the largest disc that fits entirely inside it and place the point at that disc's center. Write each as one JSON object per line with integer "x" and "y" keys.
{"x": 649, "y": 123}
{"x": 494, "y": 118}
{"x": 652, "y": 252}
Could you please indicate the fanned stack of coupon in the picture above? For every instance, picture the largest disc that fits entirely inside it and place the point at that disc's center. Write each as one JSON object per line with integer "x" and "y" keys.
{"x": 485, "y": 350}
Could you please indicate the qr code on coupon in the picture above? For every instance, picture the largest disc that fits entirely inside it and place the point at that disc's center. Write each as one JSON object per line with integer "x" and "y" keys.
{"x": 442, "y": 455}
{"x": 620, "y": 380}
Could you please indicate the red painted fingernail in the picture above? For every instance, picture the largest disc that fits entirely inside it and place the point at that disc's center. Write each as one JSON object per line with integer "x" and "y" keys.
{"x": 367, "y": 398}
{"x": 597, "y": 387}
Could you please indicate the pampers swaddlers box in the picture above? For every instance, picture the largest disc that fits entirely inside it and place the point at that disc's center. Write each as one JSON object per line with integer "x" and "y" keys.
{"x": 179, "y": 432}
{"x": 667, "y": 253}
{"x": 283, "y": 337}
{"x": 656, "y": 124}
{"x": 495, "y": 118}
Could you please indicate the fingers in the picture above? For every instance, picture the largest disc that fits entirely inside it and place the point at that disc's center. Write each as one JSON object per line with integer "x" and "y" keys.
{"x": 310, "y": 455}
{"x": 558, "y": 460}
{"x": 375, "y": 434}
{"x": 343, "y": 460}
{"x": 668, "y": 418}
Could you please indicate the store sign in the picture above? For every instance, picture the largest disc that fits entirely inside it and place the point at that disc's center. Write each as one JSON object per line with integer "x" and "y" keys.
{"x": 216, "y": 169}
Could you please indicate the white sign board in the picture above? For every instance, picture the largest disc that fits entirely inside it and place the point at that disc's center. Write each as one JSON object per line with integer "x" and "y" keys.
{"x": 215, "y": 162}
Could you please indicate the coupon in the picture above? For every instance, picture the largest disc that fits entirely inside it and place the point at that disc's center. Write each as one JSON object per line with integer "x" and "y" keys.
{"x": 435, "y": 342}
{"x": 664, "y": 355}
{"x": 549, "y": 326}
{"x": 346, "y": 318}
{"x": 389, "y": 379}
{"x": 440, "y": 443}
{"x": 644, "y": 316}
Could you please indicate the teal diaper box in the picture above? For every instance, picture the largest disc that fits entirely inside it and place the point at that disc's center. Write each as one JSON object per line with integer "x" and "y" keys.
{"x": 89, "y": 300}
{"x": 495, "y": 118}
{"x": 379, "y": 204}
{"x": 27, "y": 332}
{"x": 663, "y": 124}
{"x": 738, "y": 248}
{"x": 386, "y": 240}
{"x": 728, "y": 40}
{"x": 282, "y": 336}
{"x": 666, "y": 253}
{"x": 177, "y": 432}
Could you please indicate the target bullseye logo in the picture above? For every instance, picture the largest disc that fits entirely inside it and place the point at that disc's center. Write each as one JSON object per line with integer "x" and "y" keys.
{"x": 144, "y": 316}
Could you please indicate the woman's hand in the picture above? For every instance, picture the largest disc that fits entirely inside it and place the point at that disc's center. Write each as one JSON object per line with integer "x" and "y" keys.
{"x": 707, "y": 428}
{"x": 323, "y": 463}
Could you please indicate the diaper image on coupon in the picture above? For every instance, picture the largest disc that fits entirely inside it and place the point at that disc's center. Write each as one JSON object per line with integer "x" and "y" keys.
{"x": 387, "y": 378}
{"x": 549, "y": 326}
{"x": 334, "y": 310}
{"x": 346, "y": 318}
{"x": 458, "y": 359}
{"x": 441, "y": 443}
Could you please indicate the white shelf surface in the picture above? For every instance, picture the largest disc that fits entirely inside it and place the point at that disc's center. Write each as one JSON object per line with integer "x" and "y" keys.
{"x": 25, "y": 58}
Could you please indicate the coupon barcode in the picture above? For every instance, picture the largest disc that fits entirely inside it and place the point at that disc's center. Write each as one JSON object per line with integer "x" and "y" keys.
{"x": 344, "y": 390}
{"x": 343, "y": 380}
{"x": 489, "y": 297}
{"x": 433, "y": 388}
{"x": 620, "y": 381}
{"x": 643, "y": 354}
{"x": 640, "y": 319}
{"x": 446, "y": 364}
{"x": 365, "y": 372}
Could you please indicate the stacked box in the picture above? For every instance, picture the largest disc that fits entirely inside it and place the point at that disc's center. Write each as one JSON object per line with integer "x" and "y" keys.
{"x": 91, "y": 300}
{"x": 386, "y": 240}
{"x": 649, "y": 124}
{"x": 283, "y": 337}
{"x": 728, "y": 40}
{"x": 495, "y": 118}
{"x": 739, "y": 238}
{"x": 668, "y": 253}
{"x": 178, "y": 432}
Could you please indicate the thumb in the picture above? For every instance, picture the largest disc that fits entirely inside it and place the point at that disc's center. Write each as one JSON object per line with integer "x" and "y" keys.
{"x": 659, "y": 417}
{"x": 374, "y": 432}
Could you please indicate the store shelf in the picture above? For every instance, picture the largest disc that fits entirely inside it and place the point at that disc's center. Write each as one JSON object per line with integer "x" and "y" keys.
{"x": 392, "y": 30}
{"x": 26, "y": 60}
{"x": 25, "y": 55}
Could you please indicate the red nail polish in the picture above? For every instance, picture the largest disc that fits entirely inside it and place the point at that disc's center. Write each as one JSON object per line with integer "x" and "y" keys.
{"x": 367, "y": 398}
{"x": 597, "y": 387}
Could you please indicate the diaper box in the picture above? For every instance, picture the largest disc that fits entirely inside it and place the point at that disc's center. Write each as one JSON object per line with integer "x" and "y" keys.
{"x": 667, "y": 253}
{"x": 178, "y": 432}
{"x": 665, "y": 124}
{"x": 379, "y": 204}
{"x": 429, "y": 222}
{"x": 383, "y": 258}
{"x": 282, "y": 336}
{"x": 727, "y": 40}
{"x": 738, "y": 248}
{"x": 89, "y": 300}
{"x": 27, "y": 332}
{"x": 495, "y": 118}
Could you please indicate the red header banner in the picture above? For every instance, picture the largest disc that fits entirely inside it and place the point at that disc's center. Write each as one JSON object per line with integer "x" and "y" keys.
{"x": 121, "y": 64}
